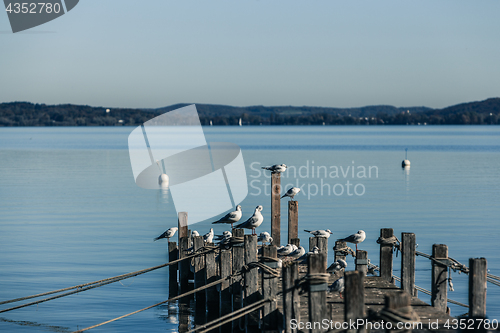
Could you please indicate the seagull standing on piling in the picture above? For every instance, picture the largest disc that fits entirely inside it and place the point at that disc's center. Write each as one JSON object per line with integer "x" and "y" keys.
{"x": 355, "y": 238}
{"x": 254, "y": 221}
{"x": 337, "y": 266}
{"x": 231, "y": 217}
{"x": 297, "y": 253}
{"x": 277, "y": 168}
{"x": 291, "y": 192}
{"x": 265, "y": 237}
{"x": 320, "y": 233}
{"x": 209, "y": 236}
{"x": 167, "y": 234}
{"x": 286, "y": 250}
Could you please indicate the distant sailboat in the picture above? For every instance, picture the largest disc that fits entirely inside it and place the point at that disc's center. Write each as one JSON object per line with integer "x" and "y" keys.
{"x": 239, "y": 122}
{"x": 211, "y": 123}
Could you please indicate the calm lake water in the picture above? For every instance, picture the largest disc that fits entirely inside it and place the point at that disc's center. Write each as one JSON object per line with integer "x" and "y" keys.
{"x": 71, "y": 213}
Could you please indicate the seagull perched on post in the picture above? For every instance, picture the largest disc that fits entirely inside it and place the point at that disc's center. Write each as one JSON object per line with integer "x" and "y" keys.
{"x": 231, "y": 217}
{"x": 265, "y": 237}
{"x": 320, "y": 233}
{"x": 286, "y": 250}
{"x": 291, "y": 192}
{"x": 225, "y": 234}
{"x": 209, "y": 236}
{"x": 167, "y": 234}
{"x": 194, "y": 233}
{"x": 337, "y": 266}
{"x": 355, "y": 238}
{"x": 277, "y": 168}
{"x": 297, "y": 253}
{"x": 254, "y": 221}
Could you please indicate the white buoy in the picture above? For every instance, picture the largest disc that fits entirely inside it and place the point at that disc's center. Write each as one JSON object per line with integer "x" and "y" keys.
{"x": 163, "y": 179}
{"x": 406, "y": 161}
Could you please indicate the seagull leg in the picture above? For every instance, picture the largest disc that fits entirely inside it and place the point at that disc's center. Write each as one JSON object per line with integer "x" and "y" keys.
{"x": 356, "y": 248}
{"x": 340, "y": 294}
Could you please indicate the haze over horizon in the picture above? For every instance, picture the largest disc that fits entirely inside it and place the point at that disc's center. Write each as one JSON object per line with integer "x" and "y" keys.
{"x": 131, "y": 54}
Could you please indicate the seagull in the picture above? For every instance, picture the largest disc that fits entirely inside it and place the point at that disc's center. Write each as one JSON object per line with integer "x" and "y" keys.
{"x": 291, "y": 192}
{"x": 337, "y": 266}
{"x": 338, "y": 285}
{"x": 297, "y": 253}
{"x": 167, "y": 234}
{"x": 225, "y": 234}
{"x": 286, "y": 250}
{"x": 231, "y": 217}
{"x": 320, "y": 233}
{"x": 277, "y": 168}
{"x": 209, "y": 236}
{"x": 355, "y": 238}
{"x": 254, "y": 221}
{"x": 303, "y": 259}
{"x": 264, "y": 237}
{"x": 194, "y": 233}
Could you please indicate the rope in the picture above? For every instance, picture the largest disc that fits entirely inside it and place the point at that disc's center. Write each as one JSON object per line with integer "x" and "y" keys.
{"x": 494, "y": 277}
{"x": 392, "y": 241}
{"x": 344, "y": 250}
{"x": 452, "y": 263}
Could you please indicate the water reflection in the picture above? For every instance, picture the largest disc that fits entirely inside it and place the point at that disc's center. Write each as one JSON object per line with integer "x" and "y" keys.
{"x": 406, "y": 172}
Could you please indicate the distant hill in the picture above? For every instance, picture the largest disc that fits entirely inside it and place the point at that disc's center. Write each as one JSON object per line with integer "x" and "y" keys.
{"x": 29, "y": 114}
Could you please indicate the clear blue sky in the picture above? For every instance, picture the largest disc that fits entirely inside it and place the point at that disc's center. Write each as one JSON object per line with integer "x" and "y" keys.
{"x": 123, "y": 53}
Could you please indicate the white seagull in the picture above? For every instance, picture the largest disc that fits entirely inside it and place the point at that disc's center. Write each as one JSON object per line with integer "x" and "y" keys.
{"x": 286, "y": 250}
{"x": 209, "y": 236}
{"x": 254, "y": 221}
{"x": 277, "y": 168}
{"x": 225, "y": 234}
{"x": 297, "y": 253}
{"x": 231, "y": 217}
{"x": 291, "y": 192}
{"x": 194, "y": 233}
{"x": 338, "y": 286}
{"x": 355, "y": 238}
{"x": 264, "y": 237}
{"x": 167, "y": 234}
{"x": 337, "y": 266}
{"x": 320, "y": 233}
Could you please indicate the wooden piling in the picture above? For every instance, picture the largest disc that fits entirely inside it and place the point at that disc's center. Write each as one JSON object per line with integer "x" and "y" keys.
{"x": 386, "y": 255}
{"x": 291, "y": 301}
{"x": 199, "y": 279}
{"x": 478, "y": 271}
{"x": 295, "y": 241}
{"x": 338, "y": 254}
{"x": 408, "y": 247}
{"x": 182, "y": 225}
{"x": 295, "y": 293}
{"x": 225, "y": 290}
{"x": 316, "y": 264}
{"x": 269, "y": 291}
{"x": 362, "y": 261}
{"x": 238, "y": 262}
{"x": 184, "y": 268}
{"x": 354, "y": 295}
{"x": 251, "y": 283}
{"x": 321, "y": 243}
{"x": 211, "y": 293}
{"x": 400, "y": 302}
{"x": 439, "y": 277}
{"x": 173, "y": 254}
{"x": 293, "y": 220}
{"x": 275, "y": 208}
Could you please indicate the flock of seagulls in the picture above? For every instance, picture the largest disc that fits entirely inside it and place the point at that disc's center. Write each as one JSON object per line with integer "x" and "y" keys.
{"x": 286, "y": 252}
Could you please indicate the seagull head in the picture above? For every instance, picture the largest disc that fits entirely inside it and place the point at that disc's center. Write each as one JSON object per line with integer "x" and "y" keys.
{"x": 227, "y": 233}
{"x": 174, "y": 228}
{"x": 361, "y": 232}
{"x": 328, "y": 230}
{"x": 259, "y": 208}
{"x": 342, "y": 263}
{"x": 284, "y": 166}
{"x": 238, "y": 208}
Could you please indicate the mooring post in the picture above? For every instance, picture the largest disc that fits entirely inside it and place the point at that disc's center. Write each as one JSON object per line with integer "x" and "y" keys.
{"x": 225, "y": 290}
{"x": 184, "y": 265}
{"x": 275, "y": 208}
{"x": 354, "y": 295}
{"x": 238, "y": 262}
{"x": 478, "y": 271}
{"x": 321, "y": 243}
{"x": 386, "y": 255}
{"x": 199, "y": 280}
{"x": 173, "y": 284}
{"x": 295, "y": 293}
{"x": 291, "y": 300}
{"x": 439, "y": 277}
{"x": 295, "y": 241}
{"x": 182, "y": 225}
{"x": 251, "y": 286}
{"x": 293, "y": 220}
{"x": 313, "y": 241}
{"x": 408, "y": 248}
{"x": 211, "y": 293}
{"x": 269, "y": 291}
{"x": 399, "y": 301}
{"x": 362, "y": 261}
{"x": 316, "y": 265}
{"x": 339, "y": 254}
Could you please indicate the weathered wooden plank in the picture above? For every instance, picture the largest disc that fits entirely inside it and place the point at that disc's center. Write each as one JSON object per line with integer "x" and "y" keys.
{"x": 295, "y": 294}
{"x": 386, "y": 255}
{"x": 478, "y": 271}
{"x": 199, "y": 280}
{"x": 293, "y": 220}
{"x": 269, "y": 291}
{"x": 439, "y": 278}
{"x": 225, "y": 298}
{"x": 338, "y": 254}
{"x": 211, "y": 293}
{"x": 184, "y": 268}
{"x": 316, "y": 264}
{"x": 354, "y": 294}
{"x": 251, "y": 283}
{"x": 182, "y": 225}
{"x": 173, "y": 254}
{"x": 362, "y": 261}
{"x": 408, "y": 247}
{"x": 238, "y": 262}
{"x": 275, "y": 208}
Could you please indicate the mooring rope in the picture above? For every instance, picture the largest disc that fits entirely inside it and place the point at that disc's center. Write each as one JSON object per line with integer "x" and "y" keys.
{"x": 344, "y": 250}
{"x": 392, "y": 241}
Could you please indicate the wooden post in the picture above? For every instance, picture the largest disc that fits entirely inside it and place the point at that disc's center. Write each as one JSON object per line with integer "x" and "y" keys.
{"x": 275, "y": 208}
{"x": 339, "y": 255}
{"x": 184, "y": 268}
{"x": 291, "y": 300}
{"x": 293, "y": 220}
{"x": 225, "y": 290}
{"x": 439, "y": 277}
{"x": 251, "y": 286}
{"x": 316, "y": 264}
{"x": 295, "y": 293}
{"x": 295, "y": 241}
{"x": 354, "y": 294}
{"x": 362, "y": 262}
{"x": 321, "y": 243}
{"x": 408, "y": 246}
{"x": 313, "y": 241}
{"x": 173, "y": 285}
{"x": 269, "y": 290}
{"x": 238, "y": 262}
{"x": 477, "y": 287}
{"x": 386, "y": 255}
{"x": 399, "y": 301}
{"x": 211, "y": 293}
{"x": 199, "y": 280}
{"x": 182, "y": 225}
